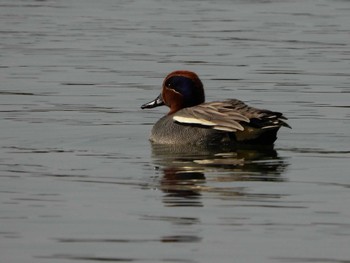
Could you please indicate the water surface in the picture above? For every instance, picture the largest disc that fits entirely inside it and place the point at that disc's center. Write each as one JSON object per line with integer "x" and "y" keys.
{"x": 79, "y": 181}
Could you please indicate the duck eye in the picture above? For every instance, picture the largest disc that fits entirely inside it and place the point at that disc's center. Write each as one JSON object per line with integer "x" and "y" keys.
{"x": 172, "y": 82}
{"x": 180, "y": 84}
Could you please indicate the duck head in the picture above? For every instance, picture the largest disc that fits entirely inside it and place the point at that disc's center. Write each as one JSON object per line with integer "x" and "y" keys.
{"x": 181, "y": 89}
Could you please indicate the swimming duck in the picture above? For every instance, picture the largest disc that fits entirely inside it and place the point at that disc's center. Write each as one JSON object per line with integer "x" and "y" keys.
{"x": 192, "y": 121}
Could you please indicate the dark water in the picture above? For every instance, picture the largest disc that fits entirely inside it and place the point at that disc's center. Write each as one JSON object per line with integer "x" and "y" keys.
{"x": 79, "y": 181}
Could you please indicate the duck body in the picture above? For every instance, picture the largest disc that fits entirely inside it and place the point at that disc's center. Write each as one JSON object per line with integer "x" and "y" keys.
{"x": 191, "y": 121}
{"x": 166, "y": 131}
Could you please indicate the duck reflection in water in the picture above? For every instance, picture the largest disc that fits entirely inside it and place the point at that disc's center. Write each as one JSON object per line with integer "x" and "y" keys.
{"x": 185, "y": 171}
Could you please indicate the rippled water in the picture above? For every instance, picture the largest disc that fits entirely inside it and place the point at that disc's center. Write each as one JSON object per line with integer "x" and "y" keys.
{"x": 79, "y": 180}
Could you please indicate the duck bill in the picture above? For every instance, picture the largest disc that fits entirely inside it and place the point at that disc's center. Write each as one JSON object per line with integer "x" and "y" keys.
{"x": 154, "y": 103}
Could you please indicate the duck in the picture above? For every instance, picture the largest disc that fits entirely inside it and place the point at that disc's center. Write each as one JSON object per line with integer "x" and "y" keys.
{"x": 192, "y": 121}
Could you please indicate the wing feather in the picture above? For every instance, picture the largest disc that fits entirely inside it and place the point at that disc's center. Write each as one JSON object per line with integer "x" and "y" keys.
{"x": 215, "y": 115}
{"x": 230, "y": 115}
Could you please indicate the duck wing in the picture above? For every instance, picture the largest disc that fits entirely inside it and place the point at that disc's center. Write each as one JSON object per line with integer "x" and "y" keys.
{"x": 229, "y": 115}
{"x": 216, "y": 115}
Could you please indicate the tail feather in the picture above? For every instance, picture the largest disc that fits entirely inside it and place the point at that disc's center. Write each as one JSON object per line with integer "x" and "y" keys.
{"x": 269, "y": 120}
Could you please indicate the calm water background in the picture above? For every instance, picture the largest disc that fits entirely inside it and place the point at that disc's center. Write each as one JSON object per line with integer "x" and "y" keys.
{"x": 79, "y": 180}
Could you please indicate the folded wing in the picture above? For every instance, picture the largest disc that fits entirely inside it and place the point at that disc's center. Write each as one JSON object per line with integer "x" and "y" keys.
{"x": 230, "y": 115}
